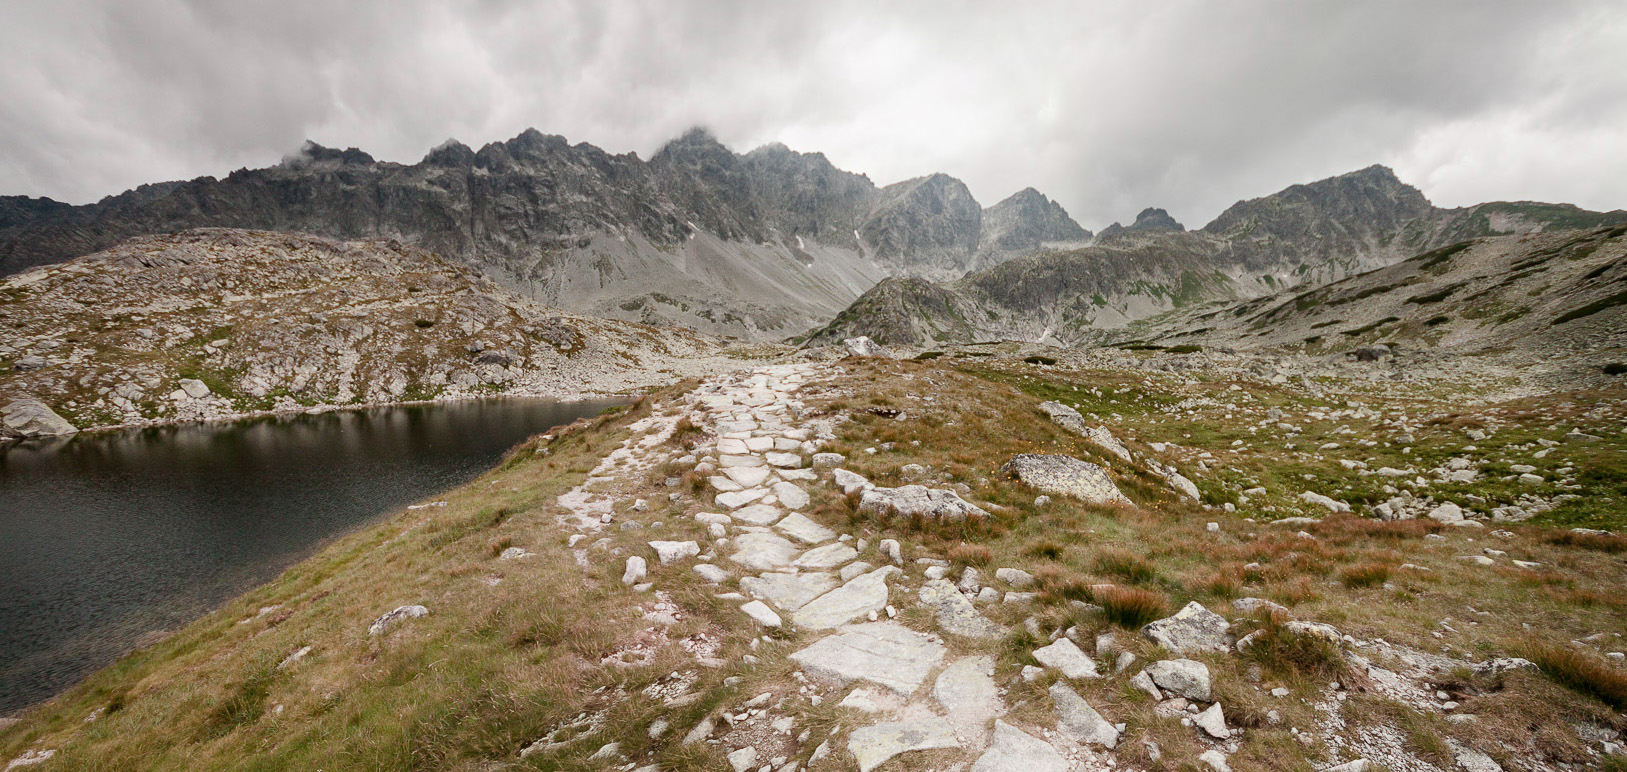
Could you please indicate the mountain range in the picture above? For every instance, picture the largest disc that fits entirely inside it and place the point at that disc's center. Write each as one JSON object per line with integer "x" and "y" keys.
{"x": 773, "y": 243}
{"x": 1304, "y": 236}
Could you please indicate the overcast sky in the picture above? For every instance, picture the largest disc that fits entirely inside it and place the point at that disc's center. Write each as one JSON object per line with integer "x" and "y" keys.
{"x": 1107, "y": 107}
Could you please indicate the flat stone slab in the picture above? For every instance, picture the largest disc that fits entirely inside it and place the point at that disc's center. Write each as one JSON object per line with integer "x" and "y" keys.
{"x": 873, "y": 745}
{"x": 784, "y": 460}
{"x": 748, "y": 476}
{"x": 1064, "y": 656}
{"x": 763, "y": 551}
{"x": 723, "y": 484}
{"x": 758, "y": 514}
{"x": 955, "y": 613}
{"x": 886, "y": 654}
{"x": 788, "y": 591}
{"x": 852, "y": 601}
{"x": 1015, "y": 751}
{"x": 791, "y": 495}
{"x": 1077, "y": 719}
{"x": 828, "y": 556}
{"x": 737, "y": 499}
{"x": 1192, "y": 630}
{"x": 733, "y": 446}
{"x": 761, "y": 614}
{"x": 967, "y": 692}
{"x": 730, "y": 460}
{"x": 1064, "y": 476}
{"x": 799, "y": 527}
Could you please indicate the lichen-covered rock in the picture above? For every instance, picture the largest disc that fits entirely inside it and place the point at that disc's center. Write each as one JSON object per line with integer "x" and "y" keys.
{"x": 1192, "y": 630}
{"x": 1064, "y": 476}
{"x": 918, "y": 501}
{"x": 1070, "y": 419}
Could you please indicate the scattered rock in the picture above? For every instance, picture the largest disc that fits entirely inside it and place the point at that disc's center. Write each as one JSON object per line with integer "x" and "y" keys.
{"x": 673, "y": 551}
{"x": 1015, "y": 751}
{"x": 1213, "y": 722}
{"x": 1064, "y": 476}
{"x": 955, "y": 613}
{"x": 1188, "y": 678}
{"x": 1064, "y": 656}
{"x": 918, "y": 501}
{"x": 391, "y": 619}
{"x": 1192, "y": 630}
{"x": 1077, "y": 719}
{"x": 863, "y": 346}
{"x": 635, "y": 571}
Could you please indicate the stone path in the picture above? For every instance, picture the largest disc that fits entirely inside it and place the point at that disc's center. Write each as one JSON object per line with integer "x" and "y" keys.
{"x": 794, "y": 572}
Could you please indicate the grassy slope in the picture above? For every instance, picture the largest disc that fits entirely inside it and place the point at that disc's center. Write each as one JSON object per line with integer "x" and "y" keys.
{"x": 493, "y": 668}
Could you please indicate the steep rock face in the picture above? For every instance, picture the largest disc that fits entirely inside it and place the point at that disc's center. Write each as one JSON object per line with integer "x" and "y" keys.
{"x": 1326, "y": 229}
{"x": 1563, "y": 294}
{"x": 928, "y": 226}
{"x": 1023, "y": 223}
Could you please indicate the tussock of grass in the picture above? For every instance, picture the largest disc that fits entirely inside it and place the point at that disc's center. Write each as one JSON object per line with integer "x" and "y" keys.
{"x": 686, "y": 434}
{"x": 1047, "y": 549}
{"x": 1284, "y": 651}
{"x": 1590, "y": 541}
{"x": 1370, "y": 574}
{"x": 1130, "y": 607}
{"x": 1580, "y": 670}
{"x": 970, "y": 555}
{"x": 1124, "y": 564}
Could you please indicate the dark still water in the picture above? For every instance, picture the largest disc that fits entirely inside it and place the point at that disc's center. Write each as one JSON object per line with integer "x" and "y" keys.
{"x": 107, "y": 538}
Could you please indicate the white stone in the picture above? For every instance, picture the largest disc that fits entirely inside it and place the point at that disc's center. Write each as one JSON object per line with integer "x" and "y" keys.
{"x": 1078, "y": 720}
{"x": 883, "y": 653}
{"x": 828, "y": 556}
{"x": 674, "y": 551}
{"x": 761, "y": 614}
{"x": 758, "y": 514}
{"x": 788, "y": 591}
{"x": 799, "y": 527}
{"x": 873, "y": 745}
{"x": 1213, "y": 722}
{"x": 858, "y": 598}
{"x": 1064, "y": 656}
{"x": 711, "y": 573}
{"x": 1015, "y": 751}
{"x": 791, "y": 496}
{"x": 1188, "y": 678}
{"x": 763, "y": 551}
{"x": 738, "y": 499}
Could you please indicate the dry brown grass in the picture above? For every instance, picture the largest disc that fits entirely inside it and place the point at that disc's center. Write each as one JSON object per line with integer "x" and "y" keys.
{"x": 1131, "y": 607}
{"x": 1580, "y": 670}
{"x": 1369, "y": 574}
{"x": 970, "y": 555}
{"x": 1124, "y": 564}
{"x": 1590, "y": 541}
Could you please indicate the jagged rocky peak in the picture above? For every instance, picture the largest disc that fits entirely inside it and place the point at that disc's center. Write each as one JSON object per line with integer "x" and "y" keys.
{"x": 1025, "y": 221}
{"x": 314, "y": 156}
{"x": 696, "y": 148}
{"x": 450, "y": 153}
{"x": 1374, "y": 194}
{"x": 927, "y": 226}
{"x": 1150, "y": 219}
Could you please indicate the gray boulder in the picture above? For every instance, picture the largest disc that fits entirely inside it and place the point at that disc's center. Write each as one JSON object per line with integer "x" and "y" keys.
{"x": 1192, "y": 630}
{"x": 918, "y": 501}
{"x": 1064, "y": 476}
{"x": 863, "y": 346}
{"x": 1077, "y": 719}
{"x": 1016, "y": 751}
{"x": 392, "y": 618}
{"x": 1070, "y": 419}
{"x": 28, "y": 417}
{"x": 1188, "y": 678}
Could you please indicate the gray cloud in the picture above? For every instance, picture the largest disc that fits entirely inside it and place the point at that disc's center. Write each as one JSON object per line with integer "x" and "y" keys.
{"x": 1107, "y": 107}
